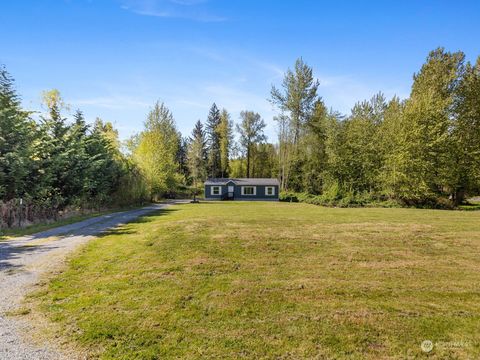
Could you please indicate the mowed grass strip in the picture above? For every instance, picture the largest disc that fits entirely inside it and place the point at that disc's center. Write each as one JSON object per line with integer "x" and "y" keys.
{"x": 275, "y": 280}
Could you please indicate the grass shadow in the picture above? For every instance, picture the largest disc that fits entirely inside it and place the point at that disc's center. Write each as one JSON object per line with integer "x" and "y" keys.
{"x": 9, "y": 253}
{"x": 125, "y": 229}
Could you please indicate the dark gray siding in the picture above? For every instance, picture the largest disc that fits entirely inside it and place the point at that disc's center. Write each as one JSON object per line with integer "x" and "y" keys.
{"x": 260, "y": 193}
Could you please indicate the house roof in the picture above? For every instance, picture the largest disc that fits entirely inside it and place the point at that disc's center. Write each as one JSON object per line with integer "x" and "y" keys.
{"x": 243, "y": 181}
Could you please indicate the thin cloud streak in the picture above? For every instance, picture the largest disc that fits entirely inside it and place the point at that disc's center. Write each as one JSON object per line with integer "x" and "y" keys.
{"x": 178, "y": 9}
{"x": 111, "y": 102}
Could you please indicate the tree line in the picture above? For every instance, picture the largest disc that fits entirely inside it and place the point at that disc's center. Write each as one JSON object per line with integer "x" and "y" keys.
{"x": 419, "y": 151}
{"x": 50, "y": 165}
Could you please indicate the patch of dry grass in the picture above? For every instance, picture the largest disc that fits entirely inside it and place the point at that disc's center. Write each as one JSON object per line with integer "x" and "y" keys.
{"x": 276, "y": 280}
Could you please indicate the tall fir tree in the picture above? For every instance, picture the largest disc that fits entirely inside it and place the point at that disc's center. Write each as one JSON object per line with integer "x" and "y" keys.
{"x": 105, "y": 169}
{"x": 16, "y": 135}
{"x": 182, "y": 157}
{"x": 78, "y": 159}
{"x": 225, "y": 132}
{"x": 213, "y": 142}
{"x": 52, "y": 153}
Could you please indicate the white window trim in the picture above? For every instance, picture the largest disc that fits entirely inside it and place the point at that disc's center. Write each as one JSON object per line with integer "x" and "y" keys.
{"x": 273, "y": 190}
{"x": 213, "y": 188}
{"x": 249, "y": 186}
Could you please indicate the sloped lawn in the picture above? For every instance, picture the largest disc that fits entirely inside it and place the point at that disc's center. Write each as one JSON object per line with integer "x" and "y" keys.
{"x": 275, "y": 280}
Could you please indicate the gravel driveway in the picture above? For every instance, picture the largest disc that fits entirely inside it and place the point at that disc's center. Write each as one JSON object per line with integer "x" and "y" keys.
{"x": 25, "y": 259}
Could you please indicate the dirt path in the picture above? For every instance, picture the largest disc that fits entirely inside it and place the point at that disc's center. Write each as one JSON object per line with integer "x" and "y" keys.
{"x": 24, "y": 260}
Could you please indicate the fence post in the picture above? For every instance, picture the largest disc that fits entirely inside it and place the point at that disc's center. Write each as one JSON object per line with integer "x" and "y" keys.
{"x": 20, "y": 215}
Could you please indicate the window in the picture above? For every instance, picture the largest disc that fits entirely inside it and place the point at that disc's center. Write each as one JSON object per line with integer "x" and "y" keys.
{"x": 216, "y": 190}
{"x": 270, "y": 190}
{"x": 249, "y": 190}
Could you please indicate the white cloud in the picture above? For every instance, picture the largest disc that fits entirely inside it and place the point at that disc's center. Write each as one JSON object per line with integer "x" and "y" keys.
{"x": 116, "y": 102}
{"x": 181, "y": 9}
{"x": 190, "y": 103}
{"x": 188, "y": 2}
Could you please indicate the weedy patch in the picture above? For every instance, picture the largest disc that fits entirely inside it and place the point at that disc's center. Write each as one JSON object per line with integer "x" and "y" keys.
{"x": 19, "y": 311}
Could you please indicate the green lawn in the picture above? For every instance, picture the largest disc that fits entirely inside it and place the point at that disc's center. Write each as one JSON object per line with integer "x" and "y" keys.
{"x": 275, "y": 280}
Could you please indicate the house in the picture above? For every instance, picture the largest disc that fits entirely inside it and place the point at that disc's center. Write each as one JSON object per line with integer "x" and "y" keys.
{"x": 242, "y": 189}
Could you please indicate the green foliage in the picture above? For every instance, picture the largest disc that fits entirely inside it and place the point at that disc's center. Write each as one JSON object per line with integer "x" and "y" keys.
{"x": 251, "y": 133}
{"x": 297, "y": 100}
{"x": 237, "y": 168}
{"x": 197, "y": 155}
{"x": 156, "y": 153}
{"x": 225, "y": 133}
{"x": 16, "y": 135}
{"x": 213, "y": 142}
{"x": 424, "y": 151}
{"x": 52, "y": 166}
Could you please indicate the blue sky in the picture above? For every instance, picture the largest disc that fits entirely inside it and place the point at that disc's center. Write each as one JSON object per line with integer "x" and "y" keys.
{"x": 115, "y": 58}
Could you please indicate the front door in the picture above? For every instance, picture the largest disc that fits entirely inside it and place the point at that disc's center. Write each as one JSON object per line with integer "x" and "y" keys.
{"x": 230, "y": 191}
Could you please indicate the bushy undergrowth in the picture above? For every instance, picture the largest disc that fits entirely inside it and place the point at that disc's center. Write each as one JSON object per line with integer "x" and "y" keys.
{"x": 366, "y": 199}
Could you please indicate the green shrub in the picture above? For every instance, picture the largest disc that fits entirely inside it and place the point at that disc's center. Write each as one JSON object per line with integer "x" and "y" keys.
{"x": 335, "y": 198}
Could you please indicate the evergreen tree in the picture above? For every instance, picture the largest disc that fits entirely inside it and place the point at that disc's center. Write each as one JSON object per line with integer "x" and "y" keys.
{"x": 16, "y": 135}
{"x": 78, "y": 159}
{"x": 182, "y": 157}
{"x": 105, "y": 170}
{"x": 52, "y": 153}
{"x": 225, "y": 132}
{"x": 213, "y": 142}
